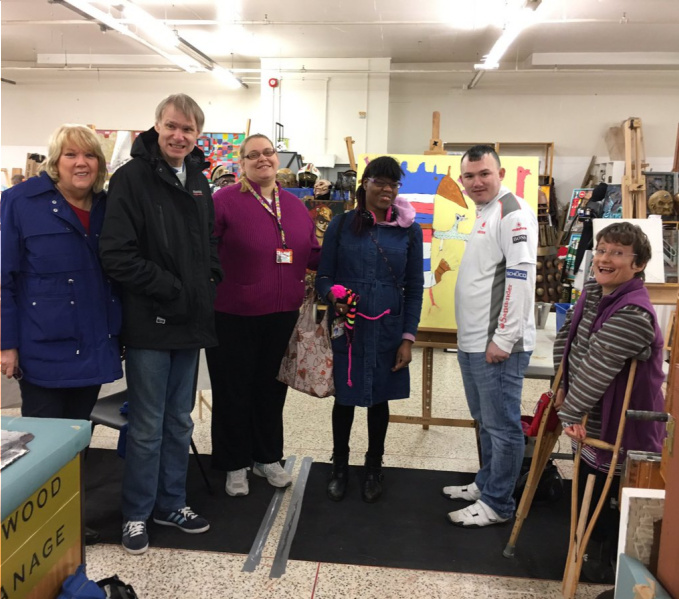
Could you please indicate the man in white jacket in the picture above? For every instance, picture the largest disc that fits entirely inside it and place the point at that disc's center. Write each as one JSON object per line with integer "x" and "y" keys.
{"x": 494, "y": 309}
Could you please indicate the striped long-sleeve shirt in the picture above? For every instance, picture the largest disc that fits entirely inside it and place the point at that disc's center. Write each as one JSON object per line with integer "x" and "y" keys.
{"x": 596, "y": 359}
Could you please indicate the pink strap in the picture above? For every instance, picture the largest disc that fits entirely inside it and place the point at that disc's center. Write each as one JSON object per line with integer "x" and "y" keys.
{"x": 387, "y": 311}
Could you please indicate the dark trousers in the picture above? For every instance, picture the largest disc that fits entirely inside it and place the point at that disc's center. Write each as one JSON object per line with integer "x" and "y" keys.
{"x": 45, "y": 402}
{"x": 342, "y": 420}
{"x": 247, "y": 400}
{"x": 607, "y": 524}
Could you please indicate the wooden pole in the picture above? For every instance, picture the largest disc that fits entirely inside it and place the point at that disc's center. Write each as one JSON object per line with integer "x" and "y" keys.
{"x": 350, "y": 151}
{"x": 435, "y": 143}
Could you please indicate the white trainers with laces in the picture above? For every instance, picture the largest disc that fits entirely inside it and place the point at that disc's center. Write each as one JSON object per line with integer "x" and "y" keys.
{"x": 467, "y": 492}
{"x": 274, "y": 474}
{"x": 475, "y": 516}
{"x": 237, "y": 482}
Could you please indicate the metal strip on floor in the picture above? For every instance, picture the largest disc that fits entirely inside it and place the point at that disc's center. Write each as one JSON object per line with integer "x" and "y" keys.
{"x": 292, "y": 518}
{"x": 255, "y": 555}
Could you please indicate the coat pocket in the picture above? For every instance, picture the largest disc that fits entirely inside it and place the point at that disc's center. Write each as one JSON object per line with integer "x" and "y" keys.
{"x": 52, "y": 318}
{"x": 175, "y": 311}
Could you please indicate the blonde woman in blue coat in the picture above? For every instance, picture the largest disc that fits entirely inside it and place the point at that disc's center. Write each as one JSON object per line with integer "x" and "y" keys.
{"x": 60, "y": 316}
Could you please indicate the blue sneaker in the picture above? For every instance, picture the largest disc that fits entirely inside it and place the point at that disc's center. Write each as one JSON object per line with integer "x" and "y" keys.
{"x": 184, "y": 519}
{"x": 135, "y": 537}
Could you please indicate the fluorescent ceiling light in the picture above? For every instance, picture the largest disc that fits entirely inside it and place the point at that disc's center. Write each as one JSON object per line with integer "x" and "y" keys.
{"x": 519, "y": 17}
{"x": 150, "y": 26}
{"x": 226, "y": 77}
{"x": 191, "y": 58}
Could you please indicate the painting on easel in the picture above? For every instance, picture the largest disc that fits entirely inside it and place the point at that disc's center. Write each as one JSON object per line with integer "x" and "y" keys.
{"x": 445, "y": 213}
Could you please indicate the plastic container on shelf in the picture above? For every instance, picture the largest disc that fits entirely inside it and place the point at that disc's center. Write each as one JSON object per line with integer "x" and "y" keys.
{"x": 561, "y": 310}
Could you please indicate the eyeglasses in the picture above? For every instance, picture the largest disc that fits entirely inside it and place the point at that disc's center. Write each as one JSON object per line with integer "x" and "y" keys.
{"x": 381, "y": 183}
{"x": 255, "y": 154}
{"x": 612, "y": 253}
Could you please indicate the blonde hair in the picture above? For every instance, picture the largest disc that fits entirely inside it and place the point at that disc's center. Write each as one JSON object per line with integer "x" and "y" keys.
{"x": 84, "y": 139}
{"x": 184, "y": 104}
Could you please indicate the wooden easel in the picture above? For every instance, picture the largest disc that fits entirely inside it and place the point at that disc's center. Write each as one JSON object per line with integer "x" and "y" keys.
{"x": 633, "y": 181}
{"x": 435, "y": 143}
{"x": 350, "y": 151}
{"x": 430, "y": 339}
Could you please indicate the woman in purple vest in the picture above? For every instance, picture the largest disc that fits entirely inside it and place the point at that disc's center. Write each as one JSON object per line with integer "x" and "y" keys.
{"x": 612, "y": 323}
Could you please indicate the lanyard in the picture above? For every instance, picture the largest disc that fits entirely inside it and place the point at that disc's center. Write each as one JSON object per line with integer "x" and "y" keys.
{"x": 277, "y": 214}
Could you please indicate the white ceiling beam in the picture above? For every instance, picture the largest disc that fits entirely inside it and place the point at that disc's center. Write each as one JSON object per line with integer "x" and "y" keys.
{"x": 597, "y": 59}
{"x": 101, "y": 59}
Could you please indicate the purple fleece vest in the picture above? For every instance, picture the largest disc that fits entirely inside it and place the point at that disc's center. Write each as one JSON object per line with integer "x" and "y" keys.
{"x": 646, "y": 391}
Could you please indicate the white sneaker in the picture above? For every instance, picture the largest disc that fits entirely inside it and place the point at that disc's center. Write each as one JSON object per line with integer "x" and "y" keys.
{"x": 274, "y": 474}
{"x": 476, "y": 515}
{"x": 237, "y": 482}
{"x": 467, "y": 492}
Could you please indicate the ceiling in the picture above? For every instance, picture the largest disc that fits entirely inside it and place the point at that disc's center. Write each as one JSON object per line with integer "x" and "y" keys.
{"x": 419, "y": 37}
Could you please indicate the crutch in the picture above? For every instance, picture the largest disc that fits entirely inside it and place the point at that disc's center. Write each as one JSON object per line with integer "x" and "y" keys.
{"x": 544, "y": 445}
{"x": 581, "y": 530}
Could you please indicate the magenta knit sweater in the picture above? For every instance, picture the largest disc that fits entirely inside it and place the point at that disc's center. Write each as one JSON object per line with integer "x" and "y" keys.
{"x": 254, "y": 284}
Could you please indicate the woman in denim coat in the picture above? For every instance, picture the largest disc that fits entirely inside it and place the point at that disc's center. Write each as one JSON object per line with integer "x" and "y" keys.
{"x": 60, "y": 317}
{"x": 375, "y": 252}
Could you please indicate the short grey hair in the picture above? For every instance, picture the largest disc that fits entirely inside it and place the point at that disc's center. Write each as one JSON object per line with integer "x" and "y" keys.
{"x": 184, "y": 104}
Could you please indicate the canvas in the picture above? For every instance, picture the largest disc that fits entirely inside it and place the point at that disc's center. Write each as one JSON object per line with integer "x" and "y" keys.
{"x": 446, "y": 215}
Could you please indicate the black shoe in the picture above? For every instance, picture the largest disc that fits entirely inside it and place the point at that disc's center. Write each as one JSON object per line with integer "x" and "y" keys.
{"x": 372, "y": 486}
{"x": 609, "y": 594}
{"x": 337, "y": 487}
{"x": 92, "y": 537}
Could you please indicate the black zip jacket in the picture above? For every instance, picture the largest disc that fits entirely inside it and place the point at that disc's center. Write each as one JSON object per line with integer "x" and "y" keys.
{"x": 158, "y": 243}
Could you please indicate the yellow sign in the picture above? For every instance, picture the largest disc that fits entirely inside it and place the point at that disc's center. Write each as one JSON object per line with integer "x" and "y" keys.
{"x": 40, "y": 531}
{"x": 445, "y": 213}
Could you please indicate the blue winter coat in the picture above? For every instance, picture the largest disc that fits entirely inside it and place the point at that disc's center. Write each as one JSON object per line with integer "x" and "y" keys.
{"x": 356, "y": 263}
{"x": 58, "y": 308}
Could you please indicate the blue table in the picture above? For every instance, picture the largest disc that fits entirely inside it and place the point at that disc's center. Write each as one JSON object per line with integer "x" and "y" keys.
{"x": 42, "y": 507}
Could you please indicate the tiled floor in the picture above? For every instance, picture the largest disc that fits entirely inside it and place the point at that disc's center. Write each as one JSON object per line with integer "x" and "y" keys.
{"x": 172, "y": 574}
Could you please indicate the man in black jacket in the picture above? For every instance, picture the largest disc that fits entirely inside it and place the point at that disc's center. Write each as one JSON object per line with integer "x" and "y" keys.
{"x": 157, "y": 243}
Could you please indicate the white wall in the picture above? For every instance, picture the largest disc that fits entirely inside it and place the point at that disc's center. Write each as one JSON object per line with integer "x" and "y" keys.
{"x": 32, "y": 109}
{"x": 320, "y": 109}
{"x": 573, "y": 113}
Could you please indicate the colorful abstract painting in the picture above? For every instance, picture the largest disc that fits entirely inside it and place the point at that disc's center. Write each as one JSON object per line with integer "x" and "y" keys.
{"x": 446, "y": 215}
{"x": 222, "y": 149}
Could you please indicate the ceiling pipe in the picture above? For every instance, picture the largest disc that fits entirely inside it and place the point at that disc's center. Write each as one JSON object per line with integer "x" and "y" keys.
{"x": 214, "y": 23}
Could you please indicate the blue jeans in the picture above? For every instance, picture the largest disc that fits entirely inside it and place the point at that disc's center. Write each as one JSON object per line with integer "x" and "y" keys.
{"x": 161, "y": 396}
{"x": 494, "y": 397}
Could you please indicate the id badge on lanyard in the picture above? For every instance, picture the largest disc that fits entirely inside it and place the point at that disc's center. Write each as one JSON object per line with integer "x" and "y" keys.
{"x": 283, "y": 254}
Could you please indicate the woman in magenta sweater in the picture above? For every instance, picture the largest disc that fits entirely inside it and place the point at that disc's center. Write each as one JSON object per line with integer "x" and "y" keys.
{"x": 266, "y": 243}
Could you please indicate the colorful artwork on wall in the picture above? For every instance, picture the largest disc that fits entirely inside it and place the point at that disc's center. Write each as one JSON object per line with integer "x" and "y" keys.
{"x": 445, "y": 213}
{"x": 222, "y": 149}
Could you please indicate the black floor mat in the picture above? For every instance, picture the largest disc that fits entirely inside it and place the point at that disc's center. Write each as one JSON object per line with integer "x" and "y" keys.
{"x": 407, "y": 528}
{"x": 234, "y": 521}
